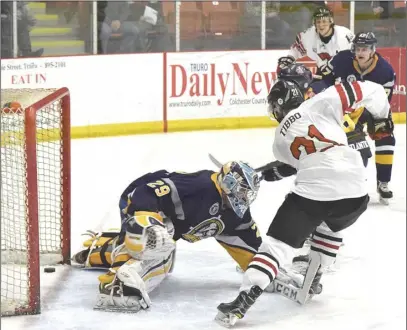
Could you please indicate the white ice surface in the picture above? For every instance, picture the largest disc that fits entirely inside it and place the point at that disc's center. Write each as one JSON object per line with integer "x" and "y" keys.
{"x": 366, "y": 290}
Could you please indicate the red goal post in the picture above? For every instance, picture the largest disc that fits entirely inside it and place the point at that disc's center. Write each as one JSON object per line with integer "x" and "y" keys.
{"x": 35, "y": 192}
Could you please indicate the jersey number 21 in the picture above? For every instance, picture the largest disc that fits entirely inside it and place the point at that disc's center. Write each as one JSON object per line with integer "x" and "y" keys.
{"x": 309, "y": 145}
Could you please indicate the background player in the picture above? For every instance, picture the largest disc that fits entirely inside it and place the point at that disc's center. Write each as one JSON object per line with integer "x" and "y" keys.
{"x": 320, "y": 42}
{"x": 362, "y": 63}
{"x": 330, "y": 190}
{"x": 353, "y": 128}
{"x": 159, "y": 208}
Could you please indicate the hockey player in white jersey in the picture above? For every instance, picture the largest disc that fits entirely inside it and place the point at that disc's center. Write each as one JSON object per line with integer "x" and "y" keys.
{"x": 329, "y": 193}
{"x": 320, "y": 42}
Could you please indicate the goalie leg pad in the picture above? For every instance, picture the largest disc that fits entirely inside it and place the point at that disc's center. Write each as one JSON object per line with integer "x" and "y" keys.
{"x": 119, "y": 257}
{"x": 98, "y": 248}
{"x": 154, "y": 271}
{"x": 126, "y": 293}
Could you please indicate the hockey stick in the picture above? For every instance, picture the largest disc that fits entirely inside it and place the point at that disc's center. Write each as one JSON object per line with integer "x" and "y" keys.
{"x": 315, "y": 263}
{"x": 299, "y": 295}
{"x": 215, "y": 161}
{"x": 259, "y": 169}
{"x": 286, "y": 290}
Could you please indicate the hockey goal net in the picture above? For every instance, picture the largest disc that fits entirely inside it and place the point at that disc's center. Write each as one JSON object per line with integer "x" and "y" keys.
{"x": 35, "y": 192}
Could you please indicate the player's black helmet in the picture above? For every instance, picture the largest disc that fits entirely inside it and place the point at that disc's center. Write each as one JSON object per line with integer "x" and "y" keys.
{"x": 364, "y": 39}
{"x": 284, "y": 96}
{"x": 322, "y": 12}
{"x": 297, "y": 73}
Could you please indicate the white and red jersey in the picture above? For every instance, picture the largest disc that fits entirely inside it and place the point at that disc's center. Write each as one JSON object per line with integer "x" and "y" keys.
{"x": 309, "y": 43}
{"x": 312, "y": 140}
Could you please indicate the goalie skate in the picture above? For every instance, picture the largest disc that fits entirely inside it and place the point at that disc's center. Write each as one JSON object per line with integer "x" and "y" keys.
{"x": 113, "y": 300}
{"x": 104, "y": 304}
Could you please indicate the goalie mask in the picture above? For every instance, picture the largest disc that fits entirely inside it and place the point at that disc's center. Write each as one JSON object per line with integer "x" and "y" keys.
{"x": 284, "y": 96}
{"x": 240, "y": 184}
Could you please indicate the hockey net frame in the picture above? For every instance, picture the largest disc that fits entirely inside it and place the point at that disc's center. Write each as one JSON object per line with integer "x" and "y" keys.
{"x": 28, "y": 140}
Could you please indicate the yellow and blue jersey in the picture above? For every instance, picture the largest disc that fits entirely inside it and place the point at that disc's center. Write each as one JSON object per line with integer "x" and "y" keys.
{"x": 344, "y": 67}
{"x": 194, "y": 204}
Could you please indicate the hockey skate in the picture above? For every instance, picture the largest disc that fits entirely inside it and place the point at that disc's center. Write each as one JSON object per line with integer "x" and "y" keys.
{"x": 229, "y": 313}
{"x": 115, "y": 297}
{"x": 384, "y": 192}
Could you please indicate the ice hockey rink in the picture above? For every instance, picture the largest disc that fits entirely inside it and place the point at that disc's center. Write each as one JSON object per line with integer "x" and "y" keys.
{"x": 365, "y": 290}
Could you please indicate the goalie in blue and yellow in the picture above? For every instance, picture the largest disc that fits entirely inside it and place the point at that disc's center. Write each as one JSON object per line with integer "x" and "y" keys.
{"x": 160, "y": 208}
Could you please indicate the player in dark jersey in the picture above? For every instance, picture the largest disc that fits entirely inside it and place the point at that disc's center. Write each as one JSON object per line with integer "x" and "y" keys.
{"x": 361, "y": 63}
{"x": 160, "y": 208}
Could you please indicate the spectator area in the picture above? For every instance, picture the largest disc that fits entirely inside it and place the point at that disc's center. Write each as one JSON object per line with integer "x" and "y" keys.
{"x": 65, "y": 27}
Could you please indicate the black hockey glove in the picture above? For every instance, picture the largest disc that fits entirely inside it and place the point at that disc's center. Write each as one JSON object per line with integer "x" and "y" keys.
{"x": 380, "y": 128}
{"x": 277, "y": 171}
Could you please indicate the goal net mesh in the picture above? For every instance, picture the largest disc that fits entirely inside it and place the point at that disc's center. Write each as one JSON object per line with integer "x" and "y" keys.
{"x": 15, "y": 226}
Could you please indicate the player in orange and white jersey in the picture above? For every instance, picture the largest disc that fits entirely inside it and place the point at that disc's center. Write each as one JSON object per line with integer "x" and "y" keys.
{"x": 329, "y": 193}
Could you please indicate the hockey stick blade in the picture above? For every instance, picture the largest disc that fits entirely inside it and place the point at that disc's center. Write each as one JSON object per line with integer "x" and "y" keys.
{"x": 286, "y": 290}
{"x": 215, "y": 161}
{"x": 294, "y": 293}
